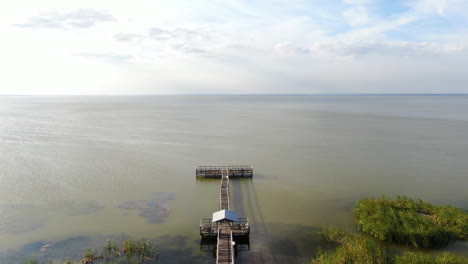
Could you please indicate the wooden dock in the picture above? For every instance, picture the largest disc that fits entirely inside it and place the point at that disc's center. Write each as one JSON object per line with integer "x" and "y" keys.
{"x": 225, "y": 231}
{"x": 225, "y": 247}
{"x": 237, "y": 171}
{"x": 224, "y": 190}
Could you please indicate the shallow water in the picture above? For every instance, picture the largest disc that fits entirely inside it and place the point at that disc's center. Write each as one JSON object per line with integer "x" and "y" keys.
{"x": 76, "y": 171}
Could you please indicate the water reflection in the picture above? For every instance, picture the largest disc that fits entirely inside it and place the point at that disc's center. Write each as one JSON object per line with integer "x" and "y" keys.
{"x": 208, "y": 245}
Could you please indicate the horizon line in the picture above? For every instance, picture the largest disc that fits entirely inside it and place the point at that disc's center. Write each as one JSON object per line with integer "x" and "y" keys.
{"x": 235, "y": 94}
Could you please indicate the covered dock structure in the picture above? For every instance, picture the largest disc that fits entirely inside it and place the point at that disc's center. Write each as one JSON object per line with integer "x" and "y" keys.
{"x": 224, "y": 225}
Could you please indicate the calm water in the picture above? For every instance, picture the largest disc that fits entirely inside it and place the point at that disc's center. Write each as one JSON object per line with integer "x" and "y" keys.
{"x": 75, "y": 171}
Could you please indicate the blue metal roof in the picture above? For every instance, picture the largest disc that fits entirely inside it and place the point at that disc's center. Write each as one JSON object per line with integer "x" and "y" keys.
{"x": 224, "y": 215}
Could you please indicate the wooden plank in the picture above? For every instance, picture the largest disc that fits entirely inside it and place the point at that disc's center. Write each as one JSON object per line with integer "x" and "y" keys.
{"x": 225, "y": 247}
{"x": 224, "y": 190}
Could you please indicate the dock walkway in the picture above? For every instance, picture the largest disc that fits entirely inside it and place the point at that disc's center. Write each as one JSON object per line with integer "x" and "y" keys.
{"x": 224, "y": 190}
{"x": 225, "y": 231}
{"x": 225, "y": 248}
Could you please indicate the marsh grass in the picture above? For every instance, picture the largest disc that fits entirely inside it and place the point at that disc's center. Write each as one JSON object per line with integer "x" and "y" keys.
{"x": 139, "y": 250}
{"x": 411, "y": 222}
{"x": 130, "y": 252}
{"x": 111, "y": 249}
{"x": 359, "y": 249}
{"x": 351, "y": 249}
{"x": 31, "y": 261}
{"x": 421, "y": 258}
{"x": 88, "y": 256}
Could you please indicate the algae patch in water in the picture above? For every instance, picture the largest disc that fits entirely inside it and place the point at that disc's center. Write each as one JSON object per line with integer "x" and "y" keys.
{"x": 83, "y": 208}
{"x": 154, "y": 209}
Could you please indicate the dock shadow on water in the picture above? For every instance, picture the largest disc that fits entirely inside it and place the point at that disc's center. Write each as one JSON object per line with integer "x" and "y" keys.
{"x": 282, "y": 244}
{"x": 155, "y": 209}
{"x": 275, "y": 243}
{"x": 245, "y": 201}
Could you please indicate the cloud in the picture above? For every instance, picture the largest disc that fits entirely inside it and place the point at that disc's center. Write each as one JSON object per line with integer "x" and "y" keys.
{"x": 432, "y": 6}
{"x": 178, "y": 33}
{"x": 357, "y": 14}
{"x": 355, "y": 49}
{"x": 179, "y": 40}
{"x": 106, "y": 57}
{"x": 188, "y": 49}
{"x": 270, "y": 46}
{"x": 81, "y": 18}
{"x": 128, "y": 37}
{"x": 287, "y": 48}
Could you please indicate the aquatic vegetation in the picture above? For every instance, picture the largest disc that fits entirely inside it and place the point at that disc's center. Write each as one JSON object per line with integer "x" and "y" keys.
{"x": 139, "y": 250}
{"x": 421, "y": 258}
{"x": 154, "y": 209}
{"x": 31, "y": 261}
{"x": 358, "y": 249}
{"x": 111, "y": 249}
{"x": 88, "y": 256}
{"x": 351, "y": 249}
{"x": 335, "y": 234}
{"x": 411, "y": 222}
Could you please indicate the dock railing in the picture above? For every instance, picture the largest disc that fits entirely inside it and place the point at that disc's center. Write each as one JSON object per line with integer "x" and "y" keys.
{"x": 239, "y": 228}
{"x": 232, "y": 249}
{"x": 242, "y": 171}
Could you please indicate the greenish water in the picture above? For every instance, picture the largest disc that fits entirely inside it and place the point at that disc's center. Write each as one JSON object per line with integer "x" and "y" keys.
{"x": 75, "y": 171}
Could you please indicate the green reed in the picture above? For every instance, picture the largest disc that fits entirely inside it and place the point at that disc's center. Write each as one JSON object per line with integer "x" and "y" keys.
{"x": 411, "y": 222}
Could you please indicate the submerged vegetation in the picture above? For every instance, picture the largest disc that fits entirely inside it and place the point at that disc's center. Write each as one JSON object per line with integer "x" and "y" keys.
{"x": 131, "y": 252}
{"x": 401, "y": 220}
{"x": 358, "y": 249}
{"x": 411, "y": 222}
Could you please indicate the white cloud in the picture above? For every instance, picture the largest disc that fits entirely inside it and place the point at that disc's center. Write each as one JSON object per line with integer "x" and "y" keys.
{"x": 157, "y": 46}
{"x": 433, "y": 6}
{"x": 81, "y": 18}
{"x": 357, "y": 14}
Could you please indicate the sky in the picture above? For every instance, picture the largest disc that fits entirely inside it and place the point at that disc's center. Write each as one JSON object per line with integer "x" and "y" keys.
{"x": 57, "y": 47}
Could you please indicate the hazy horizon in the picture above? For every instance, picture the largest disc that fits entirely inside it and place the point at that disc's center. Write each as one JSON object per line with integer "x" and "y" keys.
{"x": 240, "y": 94}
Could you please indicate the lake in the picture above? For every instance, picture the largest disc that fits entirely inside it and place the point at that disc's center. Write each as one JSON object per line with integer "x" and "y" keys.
{"x": 78, "y": 170}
